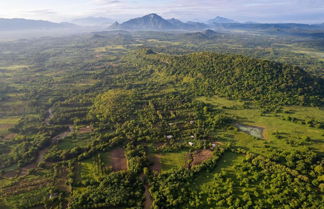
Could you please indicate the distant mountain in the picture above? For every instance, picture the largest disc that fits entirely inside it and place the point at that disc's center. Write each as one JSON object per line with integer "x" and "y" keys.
{"x": 207, "y": 34}
{"x": 177, "y": 23}
{"x": 188, "y": 25}
{"x": 220, "y": 20}
{"x": 271, "y": 26}
{"x": 114, "y": 37}
{"x": 148, "y": 22}
{"x": 156, "y": 22}
{"x": 210, "y": 33}
{"x": 93, "y": 21}
{"x": 197, "y": 25}
{"x": 25, "y": 24}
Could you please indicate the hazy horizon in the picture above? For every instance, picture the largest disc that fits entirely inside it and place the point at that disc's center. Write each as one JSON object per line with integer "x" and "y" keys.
{"x": 292, "y": 11}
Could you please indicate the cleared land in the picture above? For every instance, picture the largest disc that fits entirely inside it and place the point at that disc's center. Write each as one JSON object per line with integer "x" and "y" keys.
{"x": 6, "y": 124}
{"x": 118, "y": 159}
{"x": 272, "y": 124}
{"x": 200, "y": 156}
{"x": 227, "y": 162}
{"x": 170, "y": 161}
{"x": 156, "y": 163}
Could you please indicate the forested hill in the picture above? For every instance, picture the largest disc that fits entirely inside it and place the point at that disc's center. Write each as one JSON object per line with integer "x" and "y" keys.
{"x": 236, "y": 76}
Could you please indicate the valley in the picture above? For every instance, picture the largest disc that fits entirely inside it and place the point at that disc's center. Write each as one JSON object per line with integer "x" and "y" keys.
{"x": 149, "y": 119}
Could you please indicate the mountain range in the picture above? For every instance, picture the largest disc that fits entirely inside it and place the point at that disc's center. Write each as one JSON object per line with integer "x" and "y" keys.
{"x": 220, "y": 20}
{"x": 156, "y": 22}
{"x": 152, "y": 22}
{"x": 92, "y": 21}
{"x": 25, "y": 24}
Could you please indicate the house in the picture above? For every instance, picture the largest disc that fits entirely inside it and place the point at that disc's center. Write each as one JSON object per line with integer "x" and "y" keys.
{"x": 169, "y": 137}
{"x": 191, "y": 144}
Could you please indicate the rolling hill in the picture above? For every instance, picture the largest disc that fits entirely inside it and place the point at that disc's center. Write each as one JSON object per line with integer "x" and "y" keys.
{"x": 240, "y": 77}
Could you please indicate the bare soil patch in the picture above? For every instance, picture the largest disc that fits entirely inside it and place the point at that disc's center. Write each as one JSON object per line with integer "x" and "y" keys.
{"x": 6, "y": 126}
{"x": 156, "y": 163}
{"x": 11, "y": 174}
{"x": 118, "y": 159}
{"x": 10, "y": 136}
{"x": 85, "y": 130}
{"x": 201, "y": 156}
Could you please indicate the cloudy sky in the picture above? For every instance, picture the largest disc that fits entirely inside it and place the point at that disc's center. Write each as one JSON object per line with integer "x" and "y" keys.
{"x": 307, "y": 11}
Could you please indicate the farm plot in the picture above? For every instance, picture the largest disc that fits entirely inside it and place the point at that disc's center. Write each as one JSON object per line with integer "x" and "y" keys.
{"x": 116, "y": 159}
{"x": 200, "y": 156}
{"x": 6, "y": 124}
{"x": 101, "y": 164}
{"x": 167, "y": 161}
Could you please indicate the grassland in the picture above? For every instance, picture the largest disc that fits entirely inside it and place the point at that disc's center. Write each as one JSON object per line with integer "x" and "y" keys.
{"x": 14, "y": 67}
{"x": 272, "y": 124}
{"x": 109, "y": 48}
{"x": 7, "y": 123}
{"x": 87, "y": 170}
{"x": 226, "y": 162}
{"x": 172, "y": 160}
{"x": 75, "y": 140}
{"x": 93, "y": 168}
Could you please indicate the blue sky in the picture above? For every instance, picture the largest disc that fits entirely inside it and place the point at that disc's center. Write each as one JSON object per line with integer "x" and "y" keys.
{"x": 307, "y": 11}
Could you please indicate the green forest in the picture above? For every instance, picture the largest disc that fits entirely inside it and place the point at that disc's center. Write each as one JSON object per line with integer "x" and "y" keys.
{"x": 162, "y": 120}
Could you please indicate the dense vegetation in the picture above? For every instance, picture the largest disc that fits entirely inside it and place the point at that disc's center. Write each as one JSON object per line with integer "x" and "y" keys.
{"x": 239, "y": 77}
{"x": 126, "y": 120}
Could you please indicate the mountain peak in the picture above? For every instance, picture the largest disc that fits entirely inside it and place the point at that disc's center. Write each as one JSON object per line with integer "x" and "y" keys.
{"x": 155, "y": 22}
{"x": 152, "y": 15}
{"x": 220, "y": 20}
{"x": 148, "y": 22}
{"x": 115, "y": 25}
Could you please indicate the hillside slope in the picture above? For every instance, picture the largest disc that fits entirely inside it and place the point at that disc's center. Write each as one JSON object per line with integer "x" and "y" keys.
{"x": 239, "y": 77}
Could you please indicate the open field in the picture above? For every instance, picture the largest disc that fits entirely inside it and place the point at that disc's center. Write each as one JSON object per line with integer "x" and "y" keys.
{"x": 273, "y": 123}
{"x": 69, "y": 142}
{"x": 14, "y": 67}
{"x": 172, "y": 160}
{"x": 117, "y": 159}
{"x": 6, "y": 124}
{"x": 227, "y": 162}
{"x": 200, "y": 156}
